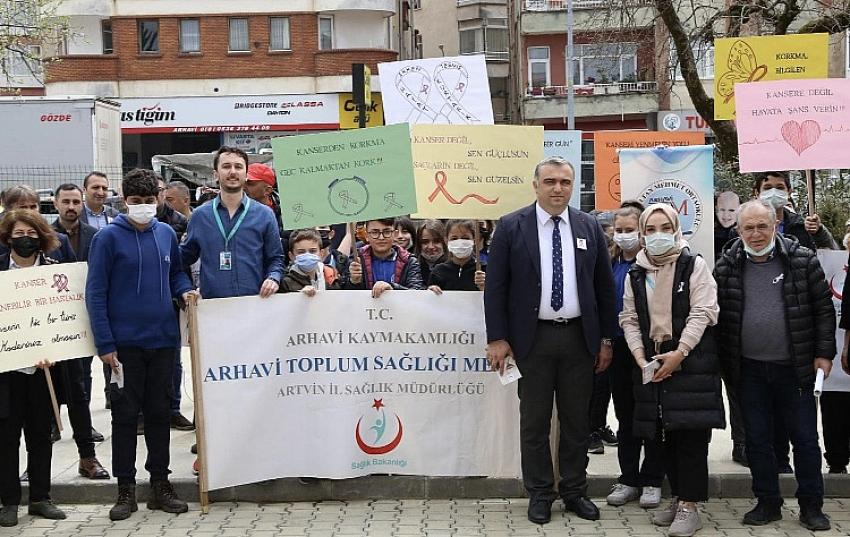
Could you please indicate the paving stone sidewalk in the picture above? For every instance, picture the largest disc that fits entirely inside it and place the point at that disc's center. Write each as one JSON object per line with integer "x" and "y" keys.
{"x": 496, "y": 517}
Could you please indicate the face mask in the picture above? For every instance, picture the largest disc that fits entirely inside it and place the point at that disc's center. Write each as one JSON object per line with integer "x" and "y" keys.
{"x": 626, "y": 241}
{"x": 326, "y": 240}
{"x": 660, "y": 243}
{"x": 461, "y": 248}
{"x": 25, "y": 246}
{"x": 758, "y": 253}
{"x": 433, "y": 257}
{"x": 142, "y": 213}
{"x": 306, "y": 262}
{"x": 775, "y": 197}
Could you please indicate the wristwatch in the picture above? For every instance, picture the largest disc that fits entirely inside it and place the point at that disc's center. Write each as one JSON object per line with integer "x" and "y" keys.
{"x": 608, "y": 342}
{"x": 685, "y": 352}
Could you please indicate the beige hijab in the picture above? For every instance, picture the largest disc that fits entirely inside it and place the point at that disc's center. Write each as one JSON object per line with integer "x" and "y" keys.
{"x": 663, "y": 269}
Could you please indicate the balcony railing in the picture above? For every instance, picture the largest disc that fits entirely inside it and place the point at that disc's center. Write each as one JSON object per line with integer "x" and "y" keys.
{"x": 579, "y": 90}
{"x": 561, "y": 5}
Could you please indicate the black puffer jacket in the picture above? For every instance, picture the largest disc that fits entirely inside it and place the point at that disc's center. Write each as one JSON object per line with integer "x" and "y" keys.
{"x": 808, "y": 306}
{"x": 691, "y": 399}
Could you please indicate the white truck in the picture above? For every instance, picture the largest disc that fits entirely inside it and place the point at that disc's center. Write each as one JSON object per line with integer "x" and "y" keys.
{"x": 51, "y": 140}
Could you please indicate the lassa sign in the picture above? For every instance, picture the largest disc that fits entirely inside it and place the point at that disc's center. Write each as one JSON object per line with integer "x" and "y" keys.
{"x": 246, "y": 113}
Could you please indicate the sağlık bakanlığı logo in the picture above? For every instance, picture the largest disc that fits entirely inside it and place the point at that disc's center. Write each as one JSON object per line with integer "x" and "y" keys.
{"x": 376, "y": 435}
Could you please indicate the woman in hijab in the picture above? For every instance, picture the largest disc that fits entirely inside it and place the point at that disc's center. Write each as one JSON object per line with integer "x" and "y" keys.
{"x": 670, "y": 302}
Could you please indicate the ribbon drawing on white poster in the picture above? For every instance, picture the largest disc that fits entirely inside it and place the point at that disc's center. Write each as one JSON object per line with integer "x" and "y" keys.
{"x": 452, "y": 91}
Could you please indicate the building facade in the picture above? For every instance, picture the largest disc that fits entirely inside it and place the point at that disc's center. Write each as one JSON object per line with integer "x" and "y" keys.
{"x": 188, "y": 74}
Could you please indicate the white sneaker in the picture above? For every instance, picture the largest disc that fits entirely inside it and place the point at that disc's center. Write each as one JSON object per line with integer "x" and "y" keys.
{"x": 665, "y": 517}
{"x": 622, "y": 494}
{"x": 686, "y": 523}
{"x": 651, "y": 497}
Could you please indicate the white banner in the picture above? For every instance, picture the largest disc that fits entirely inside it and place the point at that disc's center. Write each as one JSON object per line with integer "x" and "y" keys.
{"x": 834, "y": 263}
{"x": 245, "y": 113}
{"x": 43, "y": 315}
{"x": 452, "y": 91}
{"x": 342, "y": 385}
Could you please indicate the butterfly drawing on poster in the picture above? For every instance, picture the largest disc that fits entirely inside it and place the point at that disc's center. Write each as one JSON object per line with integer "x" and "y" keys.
{"x": 743, "y": 67}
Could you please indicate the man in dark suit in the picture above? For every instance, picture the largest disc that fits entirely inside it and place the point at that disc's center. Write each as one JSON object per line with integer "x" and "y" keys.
{"x": 68, "y": 200}
{"x": 549, "y": 303}
{"x": 95, "y": 211}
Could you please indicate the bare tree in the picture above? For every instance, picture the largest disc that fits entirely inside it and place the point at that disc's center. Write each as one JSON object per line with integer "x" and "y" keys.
{"x": 25, "y": 27}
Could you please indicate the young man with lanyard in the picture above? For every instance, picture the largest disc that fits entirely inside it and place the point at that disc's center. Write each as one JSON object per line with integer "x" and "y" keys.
{"x": 235, "y": 238}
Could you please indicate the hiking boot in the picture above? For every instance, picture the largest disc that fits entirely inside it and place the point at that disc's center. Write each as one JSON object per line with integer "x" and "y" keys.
{"x": 650, "y": 498}
{"x": 609, "y": 437}
{"x": 813, "y": 519}
{"x": 686, "y": 523}
{"x": 664, "y": 517}
{"x": 622, "y": 494}
{"x": 126, "y": 503}
{"x": 164, "y": 498}
{"x": 46, "y": 509}
{"x": 8, "y": 516}
{"x": 595, "y": 445}
{"x": 765, "y": 512}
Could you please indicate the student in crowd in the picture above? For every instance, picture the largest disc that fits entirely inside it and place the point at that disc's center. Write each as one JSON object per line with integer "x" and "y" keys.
{"x": 333, "y": 257}
{"x": 431, "y": 249}
{"x": 24, "y": 398}
{"x": 306, "y": 272}
{"x": 459, "y": 273}
{"x": 638, "y": 480}
{"x": 776, "y": 329}
{"x": 405, "y": 234}
{"x": 382, "y": 266}
{"x": 669, "y": 303}
{"x": 134, "y": 272}
{"x": 95, "y": 212}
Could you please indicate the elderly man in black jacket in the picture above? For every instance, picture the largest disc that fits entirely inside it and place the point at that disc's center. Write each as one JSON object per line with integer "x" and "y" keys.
{"x": 776, "y": 329}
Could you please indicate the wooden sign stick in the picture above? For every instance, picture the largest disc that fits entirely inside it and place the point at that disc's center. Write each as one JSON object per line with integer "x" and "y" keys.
{"x": 53, "y": 399}
{"x": 810, "y": 188}
{"x": 197, "y": 379}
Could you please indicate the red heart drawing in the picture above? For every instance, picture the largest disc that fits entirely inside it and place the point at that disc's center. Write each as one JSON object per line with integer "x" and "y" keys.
{"x": 801, "y": 136}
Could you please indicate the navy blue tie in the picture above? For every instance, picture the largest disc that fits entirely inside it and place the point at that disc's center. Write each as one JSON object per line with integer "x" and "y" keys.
{"x": 557, "y": 266}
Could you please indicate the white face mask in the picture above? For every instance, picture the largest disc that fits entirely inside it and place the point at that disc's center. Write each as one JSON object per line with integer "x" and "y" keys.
{"x": 758, "y": 253}
{"x": 775, "y": 197}
{"x": 660, "y": 243}
{"x": 142, "y": 213}
{"x": 461, "y": 248}
{"x": 627, "y": 241}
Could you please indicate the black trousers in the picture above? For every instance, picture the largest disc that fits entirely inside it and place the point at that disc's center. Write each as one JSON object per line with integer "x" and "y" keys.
{"x": 632, "y": 473}
{"x": 147, "y": 388}
{"x": 835, "y": 422}
{"x": 558, "y": 367}
{"x": 30, "y": 411}
{"x": 686, "y": 463}
{"x": 599, "y": 401}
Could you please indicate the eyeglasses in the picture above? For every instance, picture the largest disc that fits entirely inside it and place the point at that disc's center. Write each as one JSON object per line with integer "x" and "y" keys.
{"x": 378, "y": 233}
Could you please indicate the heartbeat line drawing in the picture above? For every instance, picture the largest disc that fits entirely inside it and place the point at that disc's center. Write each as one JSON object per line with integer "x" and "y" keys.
{"x": 799, "y": 136}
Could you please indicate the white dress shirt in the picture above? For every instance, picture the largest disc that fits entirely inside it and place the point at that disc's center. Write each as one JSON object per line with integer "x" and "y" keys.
{"x": 545, "y": 226}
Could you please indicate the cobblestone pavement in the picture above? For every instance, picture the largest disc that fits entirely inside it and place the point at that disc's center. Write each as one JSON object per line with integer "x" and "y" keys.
{"x": 430, "y": 518}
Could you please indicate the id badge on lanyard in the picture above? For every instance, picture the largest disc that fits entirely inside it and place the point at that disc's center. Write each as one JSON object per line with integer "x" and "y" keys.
{"x": 225, "y": 258}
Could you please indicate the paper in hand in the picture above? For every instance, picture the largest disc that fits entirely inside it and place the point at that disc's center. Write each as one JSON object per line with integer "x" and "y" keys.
{"x": 118, "y": 376}
{"x": 819, "y": 382}
{"x": 649, "y": 370}
{"x": 511, "y": 373}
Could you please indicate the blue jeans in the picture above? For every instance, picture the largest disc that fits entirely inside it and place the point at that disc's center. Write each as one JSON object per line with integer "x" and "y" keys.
{"x": 770, "y": 392}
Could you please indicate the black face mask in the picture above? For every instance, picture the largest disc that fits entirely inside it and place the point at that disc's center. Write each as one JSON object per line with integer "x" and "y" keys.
{"x": 25, "y": 246}
{"x": 326, "y": 240}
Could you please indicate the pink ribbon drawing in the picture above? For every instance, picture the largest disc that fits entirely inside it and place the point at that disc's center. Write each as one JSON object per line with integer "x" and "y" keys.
{"x": 60, "y": 283}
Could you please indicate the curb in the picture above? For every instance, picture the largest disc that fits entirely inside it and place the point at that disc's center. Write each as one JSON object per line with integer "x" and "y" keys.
{"x": 401, "y": 487}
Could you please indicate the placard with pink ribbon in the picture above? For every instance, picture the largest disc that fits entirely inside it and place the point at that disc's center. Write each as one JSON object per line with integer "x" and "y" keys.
{"x": 793, "y": 124}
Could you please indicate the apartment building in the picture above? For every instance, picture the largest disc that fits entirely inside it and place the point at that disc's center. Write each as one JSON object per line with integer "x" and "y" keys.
{"x": 458, "y": 27}
{"x": 193, "y": 75}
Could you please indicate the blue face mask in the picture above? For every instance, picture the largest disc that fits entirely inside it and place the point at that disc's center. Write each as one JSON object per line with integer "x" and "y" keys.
{"x": 306, "y": 262}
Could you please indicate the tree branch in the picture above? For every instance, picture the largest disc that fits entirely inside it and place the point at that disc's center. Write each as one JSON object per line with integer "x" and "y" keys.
{"x": 830, "y": 24}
